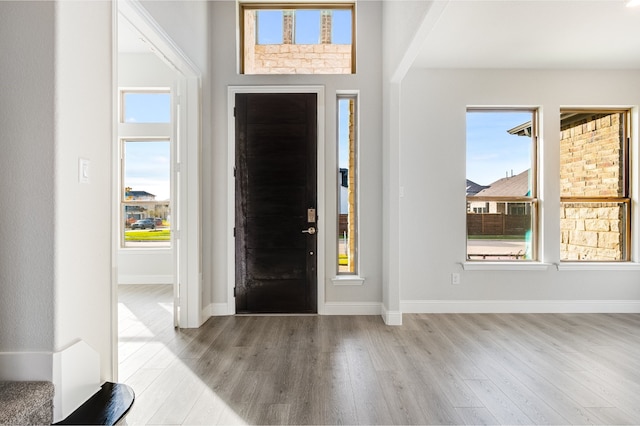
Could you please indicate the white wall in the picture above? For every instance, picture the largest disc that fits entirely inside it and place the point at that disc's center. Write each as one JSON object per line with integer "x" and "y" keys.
{"x": 402, "y": 19}
{"x": 27, "y": 43}
{"x": 56, "y": 107}
{"x": 432, "y": 225}
{"x": 138, "y": 265}
{"x": 83, "y": 129}
{"x": 368, "y": 80}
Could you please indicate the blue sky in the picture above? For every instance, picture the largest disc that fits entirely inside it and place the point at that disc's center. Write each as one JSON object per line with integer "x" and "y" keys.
{"x": 343, "y": 136}
{"x": 148, "y": 167}
{"x": 307, "y": 27}
{"x": 147, "y": 107}
{"x": 491, "y": 151}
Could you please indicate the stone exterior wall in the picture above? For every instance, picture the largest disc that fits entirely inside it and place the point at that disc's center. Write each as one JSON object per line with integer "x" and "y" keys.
{"x": 592, "y": 231}
{"x": 300, "y": 59}
{"x": 591, "y": 155}
{"x": 352, "y": 187}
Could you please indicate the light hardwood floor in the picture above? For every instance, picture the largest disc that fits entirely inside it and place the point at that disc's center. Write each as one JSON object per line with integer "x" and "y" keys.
{"x": 434, "y": 369}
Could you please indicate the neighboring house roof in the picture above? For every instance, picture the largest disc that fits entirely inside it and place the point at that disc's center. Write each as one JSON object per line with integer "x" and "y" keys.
{"x": 514, "y": 186}
{"x": 137, "y": 195}
{"x": 473, "y": 188}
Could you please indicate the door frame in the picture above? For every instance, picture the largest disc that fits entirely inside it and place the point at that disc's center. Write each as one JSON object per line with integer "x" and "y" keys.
{"x": 231, "y": 192}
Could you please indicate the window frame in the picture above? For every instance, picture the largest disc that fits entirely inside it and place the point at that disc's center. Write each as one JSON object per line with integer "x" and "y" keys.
{"x": 242, "y": 7}
{"x": 625, "y": 199}
{"x": 356, "y": 261}
{"x": 533, "y": 199}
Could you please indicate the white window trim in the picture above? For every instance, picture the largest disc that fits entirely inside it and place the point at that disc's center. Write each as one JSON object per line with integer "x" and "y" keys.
{"x": 519, "y": 265}
{"x": 346, "y": 277}
{"x": 505, "y": 266}
{"x": 598, "y": 266}
{"x": 347, "y": 280}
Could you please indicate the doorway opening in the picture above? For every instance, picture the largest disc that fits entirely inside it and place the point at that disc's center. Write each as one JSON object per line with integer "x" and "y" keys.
{"x": 155, "y": 166}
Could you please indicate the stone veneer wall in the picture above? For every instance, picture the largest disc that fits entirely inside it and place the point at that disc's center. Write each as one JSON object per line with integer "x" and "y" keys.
{"x": 591, "y": 155}
{"x": 300, "y": 59}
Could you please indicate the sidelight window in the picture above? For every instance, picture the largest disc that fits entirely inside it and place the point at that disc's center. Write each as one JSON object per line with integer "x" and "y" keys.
{"x": 502, "y": 204}
{"x": 347, "y": 185}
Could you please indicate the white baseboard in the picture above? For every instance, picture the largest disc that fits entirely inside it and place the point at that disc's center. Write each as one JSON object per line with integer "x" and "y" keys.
{"x": 352, "y": 308}
{"x": 330, "y": 308}
{"x": 26, "y": 366}
{"x": 391, "y": 317}
{"x": 216, "y": 310}
{"x": 519, "y": 306}
{"x": 145, "y": 279}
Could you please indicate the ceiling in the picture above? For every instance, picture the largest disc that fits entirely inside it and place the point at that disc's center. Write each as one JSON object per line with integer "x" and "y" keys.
{"x": 549, "y": 34}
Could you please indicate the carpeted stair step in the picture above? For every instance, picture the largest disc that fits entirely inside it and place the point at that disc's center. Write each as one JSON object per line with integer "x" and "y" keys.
{"x": 26, "y": 403}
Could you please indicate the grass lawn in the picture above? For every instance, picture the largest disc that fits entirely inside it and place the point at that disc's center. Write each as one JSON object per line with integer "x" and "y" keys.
{"x": 143, "y": 235}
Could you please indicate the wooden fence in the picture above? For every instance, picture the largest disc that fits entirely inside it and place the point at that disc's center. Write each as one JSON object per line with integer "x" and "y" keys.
{"x": 497, "y": 224}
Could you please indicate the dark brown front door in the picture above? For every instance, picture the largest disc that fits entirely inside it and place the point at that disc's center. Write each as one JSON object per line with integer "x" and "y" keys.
{"x": 275, "y": 203}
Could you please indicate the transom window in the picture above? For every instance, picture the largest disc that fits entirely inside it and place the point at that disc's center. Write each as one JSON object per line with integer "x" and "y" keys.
{"x": 145, "y": 106}
{"x": 297, "y": 39}
{"x": 502, "y": 179}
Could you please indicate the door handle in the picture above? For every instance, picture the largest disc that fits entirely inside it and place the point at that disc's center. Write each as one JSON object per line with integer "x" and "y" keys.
{"x": 311, "y": 230}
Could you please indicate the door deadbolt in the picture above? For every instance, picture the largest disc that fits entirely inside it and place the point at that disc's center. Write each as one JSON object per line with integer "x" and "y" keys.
{"x": 311, "y": 215}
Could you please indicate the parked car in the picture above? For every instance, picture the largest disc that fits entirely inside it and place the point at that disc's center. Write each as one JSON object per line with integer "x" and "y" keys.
{"x": 144, "y": 224}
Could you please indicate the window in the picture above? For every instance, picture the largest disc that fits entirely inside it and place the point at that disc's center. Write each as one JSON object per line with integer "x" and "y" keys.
{"x": 501, "y": 184}
{"x": 347, "y": 186}
{"x": 146, "y": 107}
{"x": 146, "y": 192}
{"x": 145, "y": 169}
{"x": 298, "y": 39}
{"x": 595, "y": 199}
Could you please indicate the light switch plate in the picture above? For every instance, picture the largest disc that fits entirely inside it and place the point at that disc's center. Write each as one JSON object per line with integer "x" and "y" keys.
{"x": 83, "y": 170}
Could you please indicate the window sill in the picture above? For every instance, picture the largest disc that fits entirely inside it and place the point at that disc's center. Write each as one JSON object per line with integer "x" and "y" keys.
{"x": 598, "y": 266}
{"x": 505, "y": 266}
{"x": 143, "y": 250}
{"x": 347, "y": 280}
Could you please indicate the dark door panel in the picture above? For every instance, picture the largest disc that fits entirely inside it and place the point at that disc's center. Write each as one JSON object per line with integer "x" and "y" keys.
{"x": 265, "y": 202}
{"x": 275, "y": 264}
{"x": 275, "y": 296}
{"x": 269, "y": 232}
{"x": 275, "y": 185}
